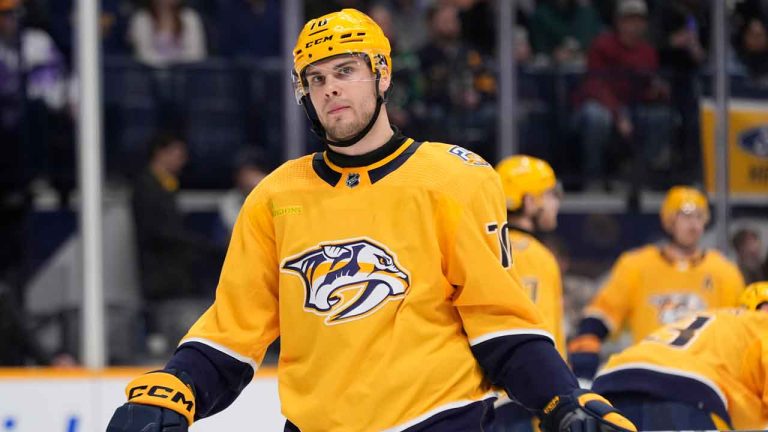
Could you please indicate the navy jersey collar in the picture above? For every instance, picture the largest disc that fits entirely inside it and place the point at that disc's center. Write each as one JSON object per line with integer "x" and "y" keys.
{"x": 346, "y": 161}
{"x": 396, "y": 152}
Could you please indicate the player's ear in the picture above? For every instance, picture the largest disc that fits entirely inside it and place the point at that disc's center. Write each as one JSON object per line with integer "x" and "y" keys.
{"x": 529, "y": 204}
{"x": 385, "y": 79}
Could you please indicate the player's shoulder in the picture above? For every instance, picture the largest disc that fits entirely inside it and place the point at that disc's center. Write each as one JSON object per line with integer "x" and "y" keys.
{"x": 526, "y": 239}
{"x": 451, "y": 163}
{"x": 715, "y": 257}
{"x": 523, "y": 242}
{"x": 640, "y": 254}
{"x": 292, "y": 174}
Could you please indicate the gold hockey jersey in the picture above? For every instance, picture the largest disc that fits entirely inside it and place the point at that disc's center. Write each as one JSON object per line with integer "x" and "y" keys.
{"x": 541, "y": 279}
{"x": 725, "y": 350}
{"x": 647, "y": 290}
{"x": 378, "y": 280}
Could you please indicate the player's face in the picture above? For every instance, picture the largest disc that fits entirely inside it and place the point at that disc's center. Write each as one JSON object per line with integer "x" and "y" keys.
{"x": 546, "y": 220}
{"x": 343, "y": 92}
{"x": 687, "y": 228}
{"x": 763, "y": 307}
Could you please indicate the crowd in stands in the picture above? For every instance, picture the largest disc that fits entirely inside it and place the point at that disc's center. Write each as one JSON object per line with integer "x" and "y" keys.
{"x": 634, "y": 91}
{"x": 621, "y": 81}
{"x": 636, "y": 61}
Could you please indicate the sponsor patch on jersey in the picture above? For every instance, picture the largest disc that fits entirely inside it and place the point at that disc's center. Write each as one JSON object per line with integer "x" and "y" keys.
{"x": 675, "y": 306}
{"x": 755, "y": 141}
{"x": 286, "y": 211}
{"x": 348, "y": 279}
{"x": 467, "y": 156}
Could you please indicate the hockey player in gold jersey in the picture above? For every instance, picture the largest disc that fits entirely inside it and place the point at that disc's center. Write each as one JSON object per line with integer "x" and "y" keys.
{"x": 657, "y": 284}
{"x": 706, "y": 371}
{"x": 382, "y": 264}
{"x": 533, "y": 200}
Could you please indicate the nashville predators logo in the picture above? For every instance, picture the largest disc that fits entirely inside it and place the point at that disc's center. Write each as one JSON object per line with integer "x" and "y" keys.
{"x": 348, "y": 280}
{"x": 673, "y": 307}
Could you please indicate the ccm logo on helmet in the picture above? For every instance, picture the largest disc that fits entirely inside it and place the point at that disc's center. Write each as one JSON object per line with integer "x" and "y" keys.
{"x": 161, "y": 392}
{"x": 318, "y": 41}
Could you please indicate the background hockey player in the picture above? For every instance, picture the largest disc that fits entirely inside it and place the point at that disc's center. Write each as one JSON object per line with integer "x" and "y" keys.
{"x": 707, "y": 371}
{"x": 658, "y": 284}
{"x": 533, "y": 200}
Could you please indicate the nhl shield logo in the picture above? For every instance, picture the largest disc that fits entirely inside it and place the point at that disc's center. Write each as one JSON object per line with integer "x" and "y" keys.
{"x": 348, "y": 279}
{"x": 353, "y": 179}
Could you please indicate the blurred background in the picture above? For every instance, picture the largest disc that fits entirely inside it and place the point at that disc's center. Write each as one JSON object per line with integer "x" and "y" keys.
{"x": 196, "y": 90}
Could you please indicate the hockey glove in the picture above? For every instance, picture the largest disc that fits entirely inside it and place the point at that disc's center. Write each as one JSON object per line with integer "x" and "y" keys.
{"x": 583, "y": 411}
{"x": 157, "y": 402}
{"x": 584, "y": 356}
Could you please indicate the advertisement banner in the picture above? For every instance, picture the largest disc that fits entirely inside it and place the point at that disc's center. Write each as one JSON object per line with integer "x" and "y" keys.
{"x": 747, "y": 146}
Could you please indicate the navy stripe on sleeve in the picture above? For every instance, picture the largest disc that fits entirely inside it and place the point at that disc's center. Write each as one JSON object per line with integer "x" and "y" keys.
{"x": 217, "y": 378}
{"x": 527, "y": 366}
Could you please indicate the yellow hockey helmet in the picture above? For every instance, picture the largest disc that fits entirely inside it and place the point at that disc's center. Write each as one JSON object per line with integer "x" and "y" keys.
{"x": 348, "y": 31}
{"x": 524, "y": 175}
{"x": 682, "y": 199}
{"x": 754, "y": 295}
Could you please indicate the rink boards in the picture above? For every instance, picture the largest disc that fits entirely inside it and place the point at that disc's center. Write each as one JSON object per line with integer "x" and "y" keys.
{"x": 59, "y": 400}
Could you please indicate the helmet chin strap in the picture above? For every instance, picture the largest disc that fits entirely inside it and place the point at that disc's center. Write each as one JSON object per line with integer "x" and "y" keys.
{"x": 319, "y": 130}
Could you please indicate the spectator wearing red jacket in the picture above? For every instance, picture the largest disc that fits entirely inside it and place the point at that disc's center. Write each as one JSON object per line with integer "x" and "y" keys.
{"x": 620, "y": 82}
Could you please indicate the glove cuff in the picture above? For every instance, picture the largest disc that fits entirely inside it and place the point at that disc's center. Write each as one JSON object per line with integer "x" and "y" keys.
{"x": 163, "y": 390}
{"x": 586, "y": 343}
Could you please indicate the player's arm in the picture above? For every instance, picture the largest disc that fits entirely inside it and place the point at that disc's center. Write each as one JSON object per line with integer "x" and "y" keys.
{"x": 506, "y": 332}
{"x": 604, "y": 315}
{"x": 557, "y": 281}
{"x": 219, "y": 354}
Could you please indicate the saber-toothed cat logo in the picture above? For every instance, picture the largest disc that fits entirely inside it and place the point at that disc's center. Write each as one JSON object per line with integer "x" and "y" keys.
{"x": 348, "y": 279}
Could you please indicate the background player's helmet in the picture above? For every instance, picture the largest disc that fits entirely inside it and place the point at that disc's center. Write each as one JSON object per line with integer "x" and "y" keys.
{"x": 754, "y": 295}
{"x": 682, "y": 199}
{"x": 524, "y": 175}
{"x": 348, "y": 31}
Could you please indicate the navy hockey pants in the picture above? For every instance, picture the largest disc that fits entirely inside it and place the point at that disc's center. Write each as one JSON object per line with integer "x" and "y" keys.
{"x": 650, "y": 414}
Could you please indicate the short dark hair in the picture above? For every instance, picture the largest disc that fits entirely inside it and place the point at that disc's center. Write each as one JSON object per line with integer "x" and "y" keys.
{"x": 162, "y": 140}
